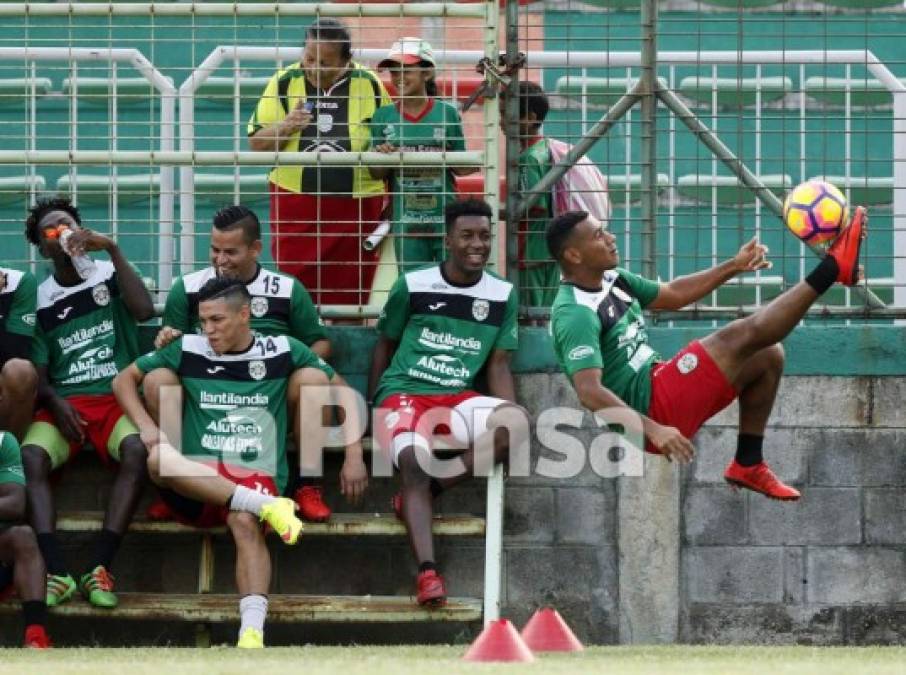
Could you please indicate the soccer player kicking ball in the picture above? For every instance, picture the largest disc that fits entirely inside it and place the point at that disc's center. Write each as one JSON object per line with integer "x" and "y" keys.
{"x": 21, "y": 564}
{"x": 232, "y": 463}
{"x": 601, "y": 343}
{"x": 440, "y": 326}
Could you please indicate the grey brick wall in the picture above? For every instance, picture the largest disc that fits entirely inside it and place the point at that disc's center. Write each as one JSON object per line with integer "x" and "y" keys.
{"x": 829, "y": 569}
{"x": 690, "y": 560}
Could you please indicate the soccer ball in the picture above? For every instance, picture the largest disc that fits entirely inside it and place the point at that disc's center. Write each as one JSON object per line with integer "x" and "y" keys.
{"x": 815, "y": 211}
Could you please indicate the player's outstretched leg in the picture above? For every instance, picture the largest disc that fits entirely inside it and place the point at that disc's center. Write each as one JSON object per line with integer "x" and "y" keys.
{"x": 170, "y": 469}
{"x": 746, "y": 351}
{"x": 19, "y": 549}
{"x": 416, "y": 508}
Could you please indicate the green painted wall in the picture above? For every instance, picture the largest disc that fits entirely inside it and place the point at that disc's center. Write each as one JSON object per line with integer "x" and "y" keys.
{"x": 810, "y": 350}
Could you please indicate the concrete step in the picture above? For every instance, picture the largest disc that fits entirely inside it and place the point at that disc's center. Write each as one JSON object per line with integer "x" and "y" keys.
{"x": 216, "y": 608}
{"x": 340, "y": 524}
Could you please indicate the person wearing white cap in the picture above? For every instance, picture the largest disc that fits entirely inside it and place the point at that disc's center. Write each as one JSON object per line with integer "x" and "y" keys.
{"x": 417, "y": 122}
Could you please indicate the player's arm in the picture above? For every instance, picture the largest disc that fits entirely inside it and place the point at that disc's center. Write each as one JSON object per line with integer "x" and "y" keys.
{"x": 353, "y": 474}
{"x": 691, "y": 288}
{"x": 500, "y": 377}
{"x": 20, "y": 324}
{"x": 175, "y": 321}
{"x": 595, "y": 396}
{"x": 132, "y": 289}
{"x": 125, "y": 389}
{"x": 384, "y": 349}
{"x": 390, "y": 327}
{"x": 12, "y": 502}
{"x": 305, "y": 324}
{"x": 68, "y": 421}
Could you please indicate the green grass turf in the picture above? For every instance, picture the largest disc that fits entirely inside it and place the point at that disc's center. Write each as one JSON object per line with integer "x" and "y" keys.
{"x": 444, "y": 660}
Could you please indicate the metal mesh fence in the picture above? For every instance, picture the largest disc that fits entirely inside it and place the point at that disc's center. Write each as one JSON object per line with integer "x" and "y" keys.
{"x": 94, "y": 96}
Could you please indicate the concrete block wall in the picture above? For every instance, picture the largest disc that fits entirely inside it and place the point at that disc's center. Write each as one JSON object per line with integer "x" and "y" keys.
{"x": 674, "y": 556}
{"x": 829, "y": 569}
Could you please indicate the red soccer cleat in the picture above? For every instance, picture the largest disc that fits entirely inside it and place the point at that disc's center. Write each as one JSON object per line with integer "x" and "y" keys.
{"x": 759, "y": 478}
{"x": 36, "y": 638}
{"x": 311, "y": 504}
{"x": 845, "y": 249}
{"x": 396, "y": 502}
{"x": 431, "y": 589}
{"x": 159, "y": 510}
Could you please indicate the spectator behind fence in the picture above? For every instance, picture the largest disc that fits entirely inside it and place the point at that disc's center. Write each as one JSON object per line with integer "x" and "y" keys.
{"x": 538, "y": 274}
{"x": 320, "y": 215}
{"x": 417, "y": 122}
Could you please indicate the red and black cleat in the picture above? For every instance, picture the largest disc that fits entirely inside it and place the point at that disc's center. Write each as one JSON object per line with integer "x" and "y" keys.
{"x": 845, "y": 249}
{"x": 36, "y": 638}
{"x": 312, "y": 508}
{"x": 759, "y": 478}
{"x": 431, "y": 589}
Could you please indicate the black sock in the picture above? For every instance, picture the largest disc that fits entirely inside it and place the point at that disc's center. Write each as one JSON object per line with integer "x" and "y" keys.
{"x": 748, "y": 449}
{"x": 435, "y": 487}
{"x": 53, "y": 556}
{"x": 34, "y": 612}
{"x": 107, "y": 546}
{"x": 824, "y": 275}
{"x": 427, "y": 565}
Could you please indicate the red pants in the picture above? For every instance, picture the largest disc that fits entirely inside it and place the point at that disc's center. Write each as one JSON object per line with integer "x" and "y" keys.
{"x": 688, "y": 390}
{"x": 318, "y": 240}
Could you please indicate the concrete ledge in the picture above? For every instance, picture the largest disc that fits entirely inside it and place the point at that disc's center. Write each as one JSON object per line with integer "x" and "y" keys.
{"x": 281, "y": 608}
{"x": 340, "y": 524}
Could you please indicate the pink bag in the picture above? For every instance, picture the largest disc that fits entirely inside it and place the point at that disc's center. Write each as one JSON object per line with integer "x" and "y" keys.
{"x": 582, "y": 188}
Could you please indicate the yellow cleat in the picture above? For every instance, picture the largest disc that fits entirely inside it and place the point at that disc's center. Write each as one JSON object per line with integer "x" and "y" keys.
{"x": 251, "y": 638}
{"x": 280, "y": 514}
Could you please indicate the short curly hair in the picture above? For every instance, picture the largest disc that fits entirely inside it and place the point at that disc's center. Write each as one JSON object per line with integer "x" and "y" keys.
{"x": 41, "y": 208}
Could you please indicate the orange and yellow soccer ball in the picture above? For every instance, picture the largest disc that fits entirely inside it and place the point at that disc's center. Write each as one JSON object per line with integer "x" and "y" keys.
{"x": 815, "y": 211}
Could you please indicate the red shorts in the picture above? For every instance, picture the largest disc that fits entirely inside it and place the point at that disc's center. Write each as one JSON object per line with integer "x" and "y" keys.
{"x": 318, "y": 240}
{"x": 688, "y": 390}
{"x": 102, "y": 414}
{"x": 194, "y": 513}
{"x": 462, "y": 415}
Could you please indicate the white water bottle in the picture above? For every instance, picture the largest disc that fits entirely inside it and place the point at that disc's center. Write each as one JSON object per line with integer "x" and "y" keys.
{"x": 84, "y": 265}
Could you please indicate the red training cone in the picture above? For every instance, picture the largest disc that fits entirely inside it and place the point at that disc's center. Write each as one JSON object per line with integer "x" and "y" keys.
{"x": 499, "y": 641}
{"x": 546, "y": 631}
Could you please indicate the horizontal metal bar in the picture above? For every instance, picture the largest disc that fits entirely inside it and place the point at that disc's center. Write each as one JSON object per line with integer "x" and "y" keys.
{"x": 730, "y": 313}
{"x": 152, "y": 158}
{"x": 603, "y": 59}
{"x": 465, "y": 10}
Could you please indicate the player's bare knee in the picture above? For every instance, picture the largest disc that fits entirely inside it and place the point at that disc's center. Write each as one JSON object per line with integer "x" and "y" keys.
{"x": 133, "y": 458}
{"x": 20, "y": 379}
{"x": 776, "y": 357}
{"x": 23, "y": 541}
{"x": 245, "y": 527}
{"x": 411, "y": 470}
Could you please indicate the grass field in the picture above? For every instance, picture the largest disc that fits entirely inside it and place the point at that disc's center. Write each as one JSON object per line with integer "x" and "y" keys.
{"x": 424, "y": 660}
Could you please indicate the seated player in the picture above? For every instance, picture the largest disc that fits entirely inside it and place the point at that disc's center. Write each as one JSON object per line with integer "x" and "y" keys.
{"x": 441, "y": 325}
{"x": 86, "y": 331}
{"x": 602, "y": 345}
{"x": 232, "y": 465}
{"x": 21, "y": 565}
{"x": 280, "y": 306}
{"x": 18, "y": 378}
